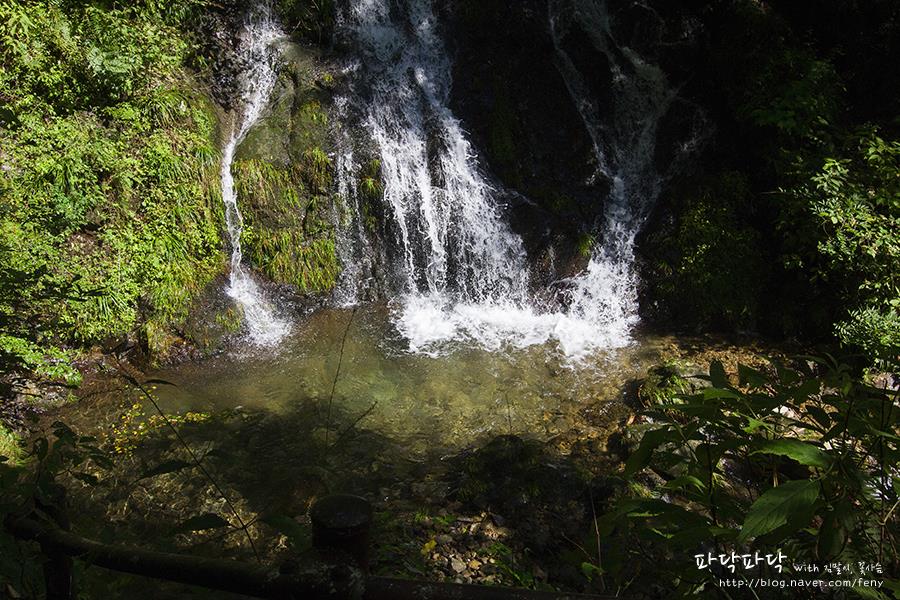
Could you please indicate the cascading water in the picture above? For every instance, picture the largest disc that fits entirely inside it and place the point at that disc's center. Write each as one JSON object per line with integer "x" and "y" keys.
{"x": 624, "y": 140}
{"x": 454, "y": 248}
{"x": 463, "y": 272}
{"x": 256, "y": 57}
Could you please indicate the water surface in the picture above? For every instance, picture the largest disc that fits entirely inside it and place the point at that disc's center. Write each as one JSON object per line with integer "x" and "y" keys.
{"x": 426, "y": 403}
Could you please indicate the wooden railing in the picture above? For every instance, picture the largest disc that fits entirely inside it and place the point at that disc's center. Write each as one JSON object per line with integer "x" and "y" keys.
{"x": 340, "y": 529}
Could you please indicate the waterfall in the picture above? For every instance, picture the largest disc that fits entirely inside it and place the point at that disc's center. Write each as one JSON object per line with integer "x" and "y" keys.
{"x": 452, "y": 238}
{"x": 453, "y": 247}
{"x": 256, "y": 59}
{"x": 624, "y": 141}
{"x": 461, "y": 272}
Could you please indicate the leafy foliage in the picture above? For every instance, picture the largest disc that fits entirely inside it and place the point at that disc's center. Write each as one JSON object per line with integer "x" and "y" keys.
{"x": 107, "y": 175}
{"x": 286, "y": 235}
{"x": 708, "y": 267}
{"x": 802, "y": 457}
{"x": 855, "y": 204}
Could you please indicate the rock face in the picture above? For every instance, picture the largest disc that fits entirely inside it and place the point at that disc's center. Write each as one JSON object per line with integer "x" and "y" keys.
{"x": 515, "y": 104}
{"x": 284, "y": 179}
{"x": 282, "y": 170}
{"x": 513, "y": 101}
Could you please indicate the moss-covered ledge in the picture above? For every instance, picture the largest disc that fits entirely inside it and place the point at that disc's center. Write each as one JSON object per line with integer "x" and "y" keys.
{"x": 284, "y": 178}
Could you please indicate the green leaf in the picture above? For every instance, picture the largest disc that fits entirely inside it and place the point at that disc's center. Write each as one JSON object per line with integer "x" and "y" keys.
{"x": 693, "y": 537}
{"x": 884, "y": 434}
{"x": 717, "y": 374}
{"x": 869, "y": 593}
{"x": 832, "y": 535}
{"x": 789, "y": 501}
{"x": 820, "y": 415}
{"x": 685, "y": 481}
{"x": 297, "y": 534}
{"x": 803, "y": 452}
{"x": 641, "y": 457}
{"x": 754, "y": 424}
{"x": 893, "y": 585}
{"x": 169, "y": 466}
{"x": 589, "y": 570}
{"x": 806, "y": 390}
{"x": 201, "y": 522}
{"x": 715, "y": 393}
{"x": 751, "y": 377}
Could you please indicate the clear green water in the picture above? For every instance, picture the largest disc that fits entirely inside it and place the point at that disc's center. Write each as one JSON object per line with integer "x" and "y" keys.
{"x": 423, "y": 404}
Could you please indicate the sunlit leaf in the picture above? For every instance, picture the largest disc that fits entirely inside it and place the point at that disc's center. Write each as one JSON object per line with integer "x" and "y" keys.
{"x": 804, "y": 453}
{"x": 791, "y": 501}
{"x": 685, "y": 481}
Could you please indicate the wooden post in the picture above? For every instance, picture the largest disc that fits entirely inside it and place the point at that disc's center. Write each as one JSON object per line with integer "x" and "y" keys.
{"x": 341, "y": 523}
{"x": 58, "y": 567}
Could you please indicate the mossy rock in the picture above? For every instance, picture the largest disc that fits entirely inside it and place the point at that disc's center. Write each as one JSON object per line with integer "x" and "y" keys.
{"x": 284, "y": 180}
{"x": 287, "y": 232}
{"x": 662, "y": 383}
{"x": 297, "y": 118}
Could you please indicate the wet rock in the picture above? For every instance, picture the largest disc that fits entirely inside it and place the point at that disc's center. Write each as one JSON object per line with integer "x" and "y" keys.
{"x": 457, "y": 565}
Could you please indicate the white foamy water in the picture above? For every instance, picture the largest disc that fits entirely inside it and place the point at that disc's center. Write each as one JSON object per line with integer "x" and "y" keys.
{"x": 451, "y": 238}
{"x": 624, "y": 145}
{"x": 463, "y": 274}
{"x": 257, "y": 57}
{"x": 429, "y": 323}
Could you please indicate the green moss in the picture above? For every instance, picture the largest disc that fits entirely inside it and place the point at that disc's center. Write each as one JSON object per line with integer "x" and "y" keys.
{"x": 585, "y": 245}
{"x": 10, "y": 446}
{"x": 371, "y": 191}
{"x": 662, "y": 383}
{"x": 287, "y": 234}
{"x": 370, "y": 181}
{"x": 230, "y": 320}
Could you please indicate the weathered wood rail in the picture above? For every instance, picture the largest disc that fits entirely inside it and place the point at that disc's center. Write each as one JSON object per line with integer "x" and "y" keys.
{"x": 342, "y": 530}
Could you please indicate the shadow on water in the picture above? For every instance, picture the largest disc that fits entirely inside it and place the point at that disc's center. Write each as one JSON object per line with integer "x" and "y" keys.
{"x": 481, "y": 466}
{"x": 509, "y": 510}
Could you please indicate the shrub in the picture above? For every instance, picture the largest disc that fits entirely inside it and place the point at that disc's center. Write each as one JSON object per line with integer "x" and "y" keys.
{"x": 802, "y": 459}
{"x": 708, "y": 267}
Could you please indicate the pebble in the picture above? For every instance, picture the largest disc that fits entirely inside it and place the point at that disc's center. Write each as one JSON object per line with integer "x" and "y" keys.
{"x": 457, "y": 565}
{"x": 474, "y": 564}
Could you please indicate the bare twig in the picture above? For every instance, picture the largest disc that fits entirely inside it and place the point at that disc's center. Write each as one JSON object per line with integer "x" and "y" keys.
{"x": 355, "y": 422}
{"x": 597, "y": 537}
{"x": 337, "y": 374}
{"x": 195, "y": 460}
